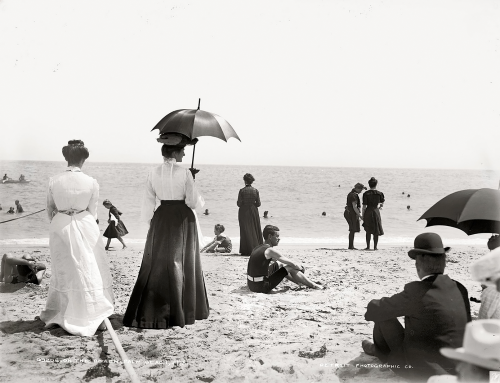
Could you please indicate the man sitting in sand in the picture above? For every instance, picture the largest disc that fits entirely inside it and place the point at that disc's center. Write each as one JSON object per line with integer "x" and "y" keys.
{"x": 267, "y": 267}
{"x": 436, "y": 310}
{"x": 21, "y": 269}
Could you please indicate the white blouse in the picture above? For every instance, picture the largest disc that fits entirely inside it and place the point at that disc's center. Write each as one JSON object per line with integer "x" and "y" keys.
{"x": 169, "y": 181}
{"x": 72, "y": 189}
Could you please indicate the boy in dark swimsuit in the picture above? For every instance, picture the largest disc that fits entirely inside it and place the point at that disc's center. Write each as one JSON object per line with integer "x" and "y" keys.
{"x": 263, "y": 276}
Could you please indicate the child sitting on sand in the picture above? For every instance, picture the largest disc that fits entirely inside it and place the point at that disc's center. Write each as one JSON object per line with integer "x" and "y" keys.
{"x": 220, "y": 244}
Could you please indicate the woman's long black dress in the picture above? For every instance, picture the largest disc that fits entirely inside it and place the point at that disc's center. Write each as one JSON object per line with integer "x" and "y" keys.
{"x": 372, "y": 222}
{"x": 170, "y": 289}
{"x": 248, "y": 217}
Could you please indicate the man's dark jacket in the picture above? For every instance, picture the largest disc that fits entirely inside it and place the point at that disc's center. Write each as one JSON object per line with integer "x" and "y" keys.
{"x": 436, "y": 311}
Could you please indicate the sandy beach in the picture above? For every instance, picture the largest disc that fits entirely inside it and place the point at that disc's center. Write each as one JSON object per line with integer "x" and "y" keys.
{"x": 293, "y": 335}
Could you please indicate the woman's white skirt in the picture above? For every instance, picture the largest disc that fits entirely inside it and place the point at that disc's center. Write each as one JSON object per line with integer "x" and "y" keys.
{"x": 80, "y": 292}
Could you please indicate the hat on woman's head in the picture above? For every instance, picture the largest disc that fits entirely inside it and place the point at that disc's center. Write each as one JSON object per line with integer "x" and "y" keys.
{"x": 481, "y": 345}
{"x": 107, "y": 202}
{"x": 176, "y": 139}
{"x": 487, "y": 268}
{"x": 360, "y": 186}
{"x": 428, "y": 243}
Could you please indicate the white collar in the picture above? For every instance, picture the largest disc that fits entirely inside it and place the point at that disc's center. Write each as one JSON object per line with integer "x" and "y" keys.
{"x": 73, "y": 169}
{"x": 428, "y": 276}
{"x": 169, "y": 160}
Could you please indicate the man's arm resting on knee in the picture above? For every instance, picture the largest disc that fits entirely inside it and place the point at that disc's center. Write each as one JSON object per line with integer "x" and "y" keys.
{"x": 276, "y": 256}
{"x": 398, "y": 305}
{"x": 14, "y": 261}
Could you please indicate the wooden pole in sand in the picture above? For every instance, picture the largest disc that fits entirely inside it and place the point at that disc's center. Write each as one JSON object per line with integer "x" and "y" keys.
{"x": 126, "y": 361}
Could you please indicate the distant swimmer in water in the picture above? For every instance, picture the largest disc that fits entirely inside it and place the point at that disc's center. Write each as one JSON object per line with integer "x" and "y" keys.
{"x": 323, "y": 214}
{"x": 11, "y": 211}
{"x": 206, "y": 212}
{"x": 19, "y": 208}
{"x": 408, "y": 207}
{"x": 1, "y": 207}
{"x": 265, "y": 214}
{"x": 408, "y": 196}
{"x": 403, "y": 193}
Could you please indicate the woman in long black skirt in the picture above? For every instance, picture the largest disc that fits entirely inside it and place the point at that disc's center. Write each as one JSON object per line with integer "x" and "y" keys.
{"x": 248, "y": 216}
{"x": 170, "y": 289}
{"x": 373, "y": 201}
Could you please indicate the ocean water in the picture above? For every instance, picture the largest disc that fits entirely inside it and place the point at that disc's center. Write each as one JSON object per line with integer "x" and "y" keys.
{"x": 294, "y": 196}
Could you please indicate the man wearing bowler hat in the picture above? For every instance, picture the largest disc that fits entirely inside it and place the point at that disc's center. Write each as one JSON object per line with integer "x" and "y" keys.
{"x": 436, "y": 310}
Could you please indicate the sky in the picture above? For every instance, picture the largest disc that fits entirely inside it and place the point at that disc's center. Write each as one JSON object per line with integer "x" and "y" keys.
{"x": 406, "y": 84}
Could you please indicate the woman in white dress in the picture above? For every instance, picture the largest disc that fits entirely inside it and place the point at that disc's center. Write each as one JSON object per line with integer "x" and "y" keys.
{"x": 80, "y": 293}
{"x": 170, "y": 289}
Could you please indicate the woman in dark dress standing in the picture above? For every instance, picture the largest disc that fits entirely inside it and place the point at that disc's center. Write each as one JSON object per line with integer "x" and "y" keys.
{"x": 170, "y": 289}
{"x": 248, "y": 216}
{"x": 373, "y": 200}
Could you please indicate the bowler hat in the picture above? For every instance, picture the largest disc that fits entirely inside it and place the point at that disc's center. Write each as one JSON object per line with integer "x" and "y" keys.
{"x": 481, "y": 345}
{"x": 427, "y": 243}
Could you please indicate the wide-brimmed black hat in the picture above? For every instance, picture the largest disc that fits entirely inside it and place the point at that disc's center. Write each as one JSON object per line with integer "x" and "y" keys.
{"x": 176, "y": 139}
{"x": 428, "y": 243}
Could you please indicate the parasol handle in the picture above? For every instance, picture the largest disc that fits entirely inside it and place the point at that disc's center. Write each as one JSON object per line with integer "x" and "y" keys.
{"x": 199, "y": 103}
{"x": 194, "y": 148}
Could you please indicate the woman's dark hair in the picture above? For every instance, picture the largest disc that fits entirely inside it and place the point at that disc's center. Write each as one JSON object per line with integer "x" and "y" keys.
{"x": 168, "y": 150}
{"x": 75, "y": 152}
{"x": 220, "y": 228}
{"x": 372, "y": 182}
{"x": 269, "y": 229}
{"x": 248, "y": 178}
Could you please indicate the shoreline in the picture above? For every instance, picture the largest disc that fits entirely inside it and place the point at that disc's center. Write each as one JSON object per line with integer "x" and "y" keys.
{"x": 286, "y": 242}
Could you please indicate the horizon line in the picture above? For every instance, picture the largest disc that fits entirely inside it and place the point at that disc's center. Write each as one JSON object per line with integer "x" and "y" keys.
{"x": 288, "y": 166}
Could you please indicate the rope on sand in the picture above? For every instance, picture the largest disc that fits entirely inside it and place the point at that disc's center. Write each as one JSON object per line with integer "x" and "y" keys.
{"x": 126, "y": 361}
{"x": 24, "y": 216}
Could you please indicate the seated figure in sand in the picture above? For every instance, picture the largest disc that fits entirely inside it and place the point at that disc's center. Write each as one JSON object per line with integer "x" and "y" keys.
{"x": 436, "y": 311}
{"x": 267, "y": 267}
{"x": 479, "y": 355}
{"x": 487, "y": 271}
{"x": 21, "y": 269}
{"x": 220, "y": 244}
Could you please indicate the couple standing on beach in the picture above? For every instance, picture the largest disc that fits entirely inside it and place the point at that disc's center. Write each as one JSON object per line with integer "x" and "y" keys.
{"x": 373, "y": 201}
{"x": 170, "y": 289}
